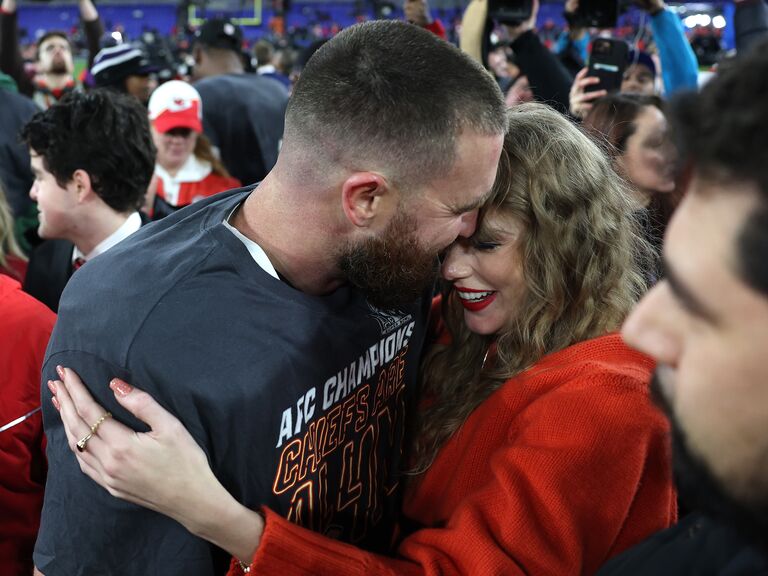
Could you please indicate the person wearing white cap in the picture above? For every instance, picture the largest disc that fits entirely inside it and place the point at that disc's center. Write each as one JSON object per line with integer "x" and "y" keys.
{"x": 187, "y": 169}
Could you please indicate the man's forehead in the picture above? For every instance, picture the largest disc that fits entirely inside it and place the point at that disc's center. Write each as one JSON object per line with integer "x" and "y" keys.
{"x": 703, "y": 235}
{"x": 639, "y": 70}
{"x": 55, "y": 41}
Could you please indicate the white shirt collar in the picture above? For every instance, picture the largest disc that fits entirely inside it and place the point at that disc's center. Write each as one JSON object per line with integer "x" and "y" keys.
{"x": 193, "y": 170}
{"x": 266, "y": 69}
{"x": 256, "y": 251}
{"x": 131, "y": 225}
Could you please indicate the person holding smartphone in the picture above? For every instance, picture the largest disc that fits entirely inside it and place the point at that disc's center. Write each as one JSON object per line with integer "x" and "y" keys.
{"x": 678, "y": 63}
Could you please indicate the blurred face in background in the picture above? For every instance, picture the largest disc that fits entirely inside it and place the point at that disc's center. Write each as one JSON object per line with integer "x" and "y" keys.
{"x": 638, "y": 79}
{"x": 519, "y": 92}
{"x": 174, "y": 147}
{"x": 141, "y": 86}
{"x": 648, "y": 162}
{"x": 499, "y": 63}
{"x": 55, "y": 56}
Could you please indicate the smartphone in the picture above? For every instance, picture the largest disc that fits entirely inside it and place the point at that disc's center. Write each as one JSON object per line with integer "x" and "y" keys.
{"x": 512, "y": 12}
{"x": 607, "y": 61}
{"x": 598, "y": 13}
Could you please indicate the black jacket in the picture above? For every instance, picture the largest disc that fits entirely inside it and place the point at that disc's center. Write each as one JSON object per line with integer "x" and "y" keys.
{"x": 696, "y": 546}
{"x": 50, "y": 268}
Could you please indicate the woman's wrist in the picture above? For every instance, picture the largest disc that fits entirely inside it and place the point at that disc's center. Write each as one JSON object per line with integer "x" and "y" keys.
{"x": 223, "y": 521}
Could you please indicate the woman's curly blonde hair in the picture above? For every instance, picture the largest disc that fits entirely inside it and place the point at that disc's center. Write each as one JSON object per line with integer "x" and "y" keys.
{"x": 581, "y": 260}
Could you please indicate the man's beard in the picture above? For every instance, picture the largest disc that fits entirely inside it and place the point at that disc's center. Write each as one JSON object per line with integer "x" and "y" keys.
{"x": 58, "y": 66}
{"x": 700, "y": 490}
{"x": 394, "y": 270}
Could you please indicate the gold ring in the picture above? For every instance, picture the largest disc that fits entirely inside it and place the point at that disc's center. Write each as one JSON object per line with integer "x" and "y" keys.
{"x": 83, "y": 442}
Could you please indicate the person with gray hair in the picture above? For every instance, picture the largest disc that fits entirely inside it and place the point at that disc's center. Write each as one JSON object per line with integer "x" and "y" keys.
{"x": 283, "y": 323}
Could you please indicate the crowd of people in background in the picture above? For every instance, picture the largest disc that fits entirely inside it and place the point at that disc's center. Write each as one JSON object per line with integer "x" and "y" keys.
{"x": 416, "y": 296}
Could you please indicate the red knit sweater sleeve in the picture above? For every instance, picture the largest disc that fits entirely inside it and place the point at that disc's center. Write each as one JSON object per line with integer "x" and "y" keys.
{"x": 581, "y": 474}
{"x": 584, "y": 475}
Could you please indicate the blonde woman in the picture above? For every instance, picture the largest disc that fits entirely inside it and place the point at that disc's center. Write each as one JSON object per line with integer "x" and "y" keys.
{"x": 537, "y": 449}
{"x": 13, "y": 262}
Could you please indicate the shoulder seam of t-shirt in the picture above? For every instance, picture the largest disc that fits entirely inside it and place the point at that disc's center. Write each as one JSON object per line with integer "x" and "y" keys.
{"x": 85, "y": 353}
{"x": 205, "y": 228}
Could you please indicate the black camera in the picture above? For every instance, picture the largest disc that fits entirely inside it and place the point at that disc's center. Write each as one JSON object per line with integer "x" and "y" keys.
{"x": 597, "y": 13}
{"x": 511, "y": 12}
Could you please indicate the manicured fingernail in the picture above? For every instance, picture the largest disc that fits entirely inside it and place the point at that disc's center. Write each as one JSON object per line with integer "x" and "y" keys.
{"x": 56, "y": 403}
{"x": 52, "y": 387}
{"x": 120, "y": 387}
{"x": 60, "y": 371}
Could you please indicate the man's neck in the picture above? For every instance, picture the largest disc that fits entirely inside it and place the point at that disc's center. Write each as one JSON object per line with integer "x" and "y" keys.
{"x": 56, "y": 81}
{"x": 294, "y": 240}
{"x": 96, "y": 228}
{"x": 219, "y": 68}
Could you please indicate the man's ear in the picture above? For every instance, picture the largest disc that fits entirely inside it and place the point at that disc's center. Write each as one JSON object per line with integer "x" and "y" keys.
{"x": 366, "y": 195}
{"x": 82, "y": 182}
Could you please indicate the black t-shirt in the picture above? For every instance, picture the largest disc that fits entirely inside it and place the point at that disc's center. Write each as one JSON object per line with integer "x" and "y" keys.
{"x": 297, "y": 400}
{"x": 244, "y": 116}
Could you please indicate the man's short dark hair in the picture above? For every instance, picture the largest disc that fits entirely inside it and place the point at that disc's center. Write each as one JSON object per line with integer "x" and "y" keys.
{"x": 722, "y": 132}
{"x": 392, "y": 93}
{"x": 104, "y": 133}
{"x": 52, "y": 34}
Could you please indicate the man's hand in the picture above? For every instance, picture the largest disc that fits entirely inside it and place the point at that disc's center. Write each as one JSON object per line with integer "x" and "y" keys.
{"x": 88, "y": 11}
{"x": 580, "y": 99}
{"x": 8, "y": 6}
{"x": 574, "y": 31}
{"x": 417, "y": 12}
{"x": 651, "y": 6}
{"x": 514, "y": 32}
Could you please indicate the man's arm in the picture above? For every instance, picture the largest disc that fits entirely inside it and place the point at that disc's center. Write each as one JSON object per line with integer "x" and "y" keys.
{"x": 11, "y": 61}
{"x": 94, "y": 28}
{"x": 679, "y": 67}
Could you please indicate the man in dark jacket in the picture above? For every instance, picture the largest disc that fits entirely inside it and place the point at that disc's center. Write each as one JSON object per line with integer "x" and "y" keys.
{"x": 706, "y": 324}
{"x": 15, "y": 177}
{"x": 92, "y": 157}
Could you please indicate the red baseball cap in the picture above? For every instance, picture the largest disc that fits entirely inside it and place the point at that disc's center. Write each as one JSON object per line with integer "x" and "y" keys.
{"x": 176, "y": 104}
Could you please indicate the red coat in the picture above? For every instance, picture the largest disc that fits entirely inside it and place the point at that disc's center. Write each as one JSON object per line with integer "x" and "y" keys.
{"x": 191, "y": 191}
{"x": 25, "y": 327}
{"x": 563, "y": 467}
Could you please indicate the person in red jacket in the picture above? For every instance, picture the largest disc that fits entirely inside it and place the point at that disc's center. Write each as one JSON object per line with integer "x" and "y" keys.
{"x": 537, "y": 449}
{"x": 187, "y": 169}
{"x": 25, "y": 327}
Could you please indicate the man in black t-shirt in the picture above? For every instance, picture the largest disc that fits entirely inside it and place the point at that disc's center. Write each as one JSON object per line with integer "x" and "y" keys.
{"x": 243, "y": 114}
{"x": 283, "y": 324}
